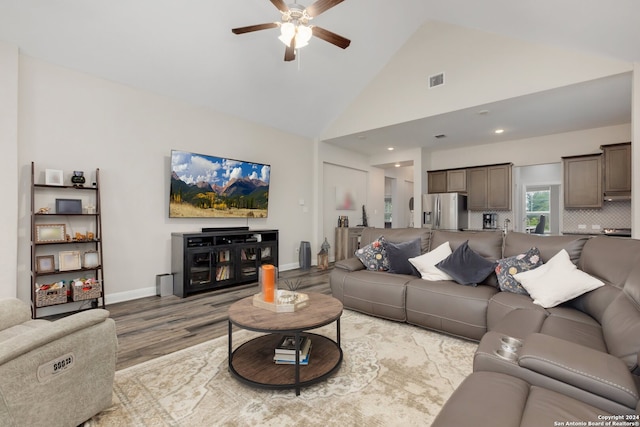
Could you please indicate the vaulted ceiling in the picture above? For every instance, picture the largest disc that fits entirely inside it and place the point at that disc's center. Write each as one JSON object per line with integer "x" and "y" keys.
{"x": 185, "y": 49}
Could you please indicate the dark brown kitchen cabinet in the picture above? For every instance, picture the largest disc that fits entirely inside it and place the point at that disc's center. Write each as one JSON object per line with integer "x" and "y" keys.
{"x": 447, "y": 181}
{"x": 617, "y": 170}
{"x": 499, "y": 187}
{"x": 437, "y": 181}
{"x": 583, "y": 181}
{"x": 489, "y": 187}
{"x": 477, "y": 188}
{"x": 457, "y": 181}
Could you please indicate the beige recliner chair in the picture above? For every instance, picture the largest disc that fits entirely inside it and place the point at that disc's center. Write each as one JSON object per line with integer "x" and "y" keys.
{"x": 56, "y": 373}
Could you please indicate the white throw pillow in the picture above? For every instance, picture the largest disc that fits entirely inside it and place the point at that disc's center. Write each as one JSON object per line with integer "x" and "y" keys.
{"x": 557, "y": 281}
{"x": 426, "y": 263}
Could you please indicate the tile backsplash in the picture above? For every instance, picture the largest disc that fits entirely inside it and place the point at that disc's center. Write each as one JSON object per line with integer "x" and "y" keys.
{"x": 475, "y": 219}
{"x": 612, "y": 215}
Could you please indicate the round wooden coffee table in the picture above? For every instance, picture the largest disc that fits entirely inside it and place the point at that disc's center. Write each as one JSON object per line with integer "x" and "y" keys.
{"x": 252, "y": 362}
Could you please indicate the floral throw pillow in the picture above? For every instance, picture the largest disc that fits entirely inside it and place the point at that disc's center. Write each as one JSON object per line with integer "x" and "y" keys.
{"x": 374, "y": 255}
{"x": 507, "y": 267}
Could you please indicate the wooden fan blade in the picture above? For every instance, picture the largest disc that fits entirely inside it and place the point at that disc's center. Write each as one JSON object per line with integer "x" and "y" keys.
{"x": 330, "y": 37}
{"x": 290, "y": 51}
{"x": 320, "y": 6}
{"x": 252, "y": 28}
{"x": 281, "y": 5}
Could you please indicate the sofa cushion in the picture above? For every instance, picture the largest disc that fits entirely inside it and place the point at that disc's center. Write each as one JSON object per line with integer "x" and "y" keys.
{"x": 446, "y": 306}
{"x": 487, "y": 244}
{"x": 557, "y": 281}
{"x": 572, "y": 325}
{"x": 621, "y": 321}
{"x": 466, "y": 266}
{"x": 376, "y": 292}
{"x": 397, "y": 235}
{"x": 610, "y": 259}
{"x": 507, "y": 267}
{"x": 503, "y": 303}
{"x": 516, "y": 243}
{"x": 398, "y": 255}
{"x": 374, "y": 255}
{"x": 426, "y": 263}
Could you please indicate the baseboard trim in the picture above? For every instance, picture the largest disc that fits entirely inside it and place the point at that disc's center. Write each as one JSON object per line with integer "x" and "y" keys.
{"x": 151, "y": 291}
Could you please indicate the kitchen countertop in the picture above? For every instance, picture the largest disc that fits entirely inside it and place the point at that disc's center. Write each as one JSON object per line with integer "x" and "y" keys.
{"x": 582, "y": 233}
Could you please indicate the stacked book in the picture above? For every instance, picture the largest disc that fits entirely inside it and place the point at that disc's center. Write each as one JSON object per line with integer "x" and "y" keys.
{"x": 285, "y": 352}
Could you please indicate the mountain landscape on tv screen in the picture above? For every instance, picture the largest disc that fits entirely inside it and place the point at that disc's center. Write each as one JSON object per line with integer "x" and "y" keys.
{"x": 235, "y": 189}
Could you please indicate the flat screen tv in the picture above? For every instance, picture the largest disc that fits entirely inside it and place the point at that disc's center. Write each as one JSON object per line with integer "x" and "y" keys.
{"x": 204, "y": 186}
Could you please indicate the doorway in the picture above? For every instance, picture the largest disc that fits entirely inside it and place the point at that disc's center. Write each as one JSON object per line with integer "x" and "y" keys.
{"x": 542, "y": 201}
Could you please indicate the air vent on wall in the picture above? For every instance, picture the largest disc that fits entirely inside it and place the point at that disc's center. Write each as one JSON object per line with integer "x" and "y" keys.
{"x": 436, "y": 80}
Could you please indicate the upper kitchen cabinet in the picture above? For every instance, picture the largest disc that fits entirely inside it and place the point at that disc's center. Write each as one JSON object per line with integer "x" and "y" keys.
{"x": 583, "y": 181}
{"x": 477, "y": 188}
{"x": 447, "y": 181}
{"x": 489, "y": 187}
{"x": 437, "y": 181}
{"x": 457, "y": 181}
{"x": 617, "y": 170}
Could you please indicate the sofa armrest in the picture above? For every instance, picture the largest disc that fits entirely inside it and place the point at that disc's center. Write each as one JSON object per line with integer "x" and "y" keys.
{"x": 47, "y": 333}
{"x": 13, "y": 312}
{"x": 582, "y": 367}
{"x": 350, "y": 264}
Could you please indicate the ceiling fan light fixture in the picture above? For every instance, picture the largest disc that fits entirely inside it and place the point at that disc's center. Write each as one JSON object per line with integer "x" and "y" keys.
{"x": 301, "y": 32}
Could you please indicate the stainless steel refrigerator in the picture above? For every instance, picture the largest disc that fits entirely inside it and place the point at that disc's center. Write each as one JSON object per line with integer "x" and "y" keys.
{"x": 445, "y": 211}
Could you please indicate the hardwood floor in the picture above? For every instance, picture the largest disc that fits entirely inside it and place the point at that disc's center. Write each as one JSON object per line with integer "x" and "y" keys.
{"x": 154, "y": 326}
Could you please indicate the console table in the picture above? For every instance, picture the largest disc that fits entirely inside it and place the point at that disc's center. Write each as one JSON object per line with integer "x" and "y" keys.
{"x": 221, "y": 258}
{"x": 347, "y": 242}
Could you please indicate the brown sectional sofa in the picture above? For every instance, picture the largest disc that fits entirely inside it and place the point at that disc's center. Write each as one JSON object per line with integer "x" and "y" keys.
{"x": 579, "y": 359}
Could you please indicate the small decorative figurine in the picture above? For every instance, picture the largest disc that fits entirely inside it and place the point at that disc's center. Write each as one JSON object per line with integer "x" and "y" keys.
{"x": 78, "y": 179}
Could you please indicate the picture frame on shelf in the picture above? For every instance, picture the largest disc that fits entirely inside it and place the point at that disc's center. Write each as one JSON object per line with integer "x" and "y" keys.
{"x": 51, "y": 233}
{"x": 45, "y": 264}
{"x": 69, "y": 260}
{"x": 91, "y": 259}
{"x": 53, "y": 177}
{"x": 68, "y": 206}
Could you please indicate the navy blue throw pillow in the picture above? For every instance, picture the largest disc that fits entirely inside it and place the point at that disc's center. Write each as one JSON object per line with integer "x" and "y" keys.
{"x": 466, "y": 266}
{"x": 399, "y": 254}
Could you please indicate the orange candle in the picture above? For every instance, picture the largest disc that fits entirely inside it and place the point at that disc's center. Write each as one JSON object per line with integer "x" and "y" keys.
{"x": 268, "y": 282}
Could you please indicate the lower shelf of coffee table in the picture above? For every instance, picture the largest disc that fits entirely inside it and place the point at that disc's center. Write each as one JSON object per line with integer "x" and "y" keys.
{"x": 252, "y": 362}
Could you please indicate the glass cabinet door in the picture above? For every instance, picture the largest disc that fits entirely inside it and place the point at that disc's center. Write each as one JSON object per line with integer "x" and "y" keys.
{"x": 225, "y": 269}
{"x": 268, "y": 255}
{"x": 248, "y": 262}
{"x": 200, "y": 267}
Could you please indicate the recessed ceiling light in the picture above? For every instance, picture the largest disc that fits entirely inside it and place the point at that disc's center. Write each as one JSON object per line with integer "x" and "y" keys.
{"x": 397, "y": 165}
{"x": 390, "y": 148}
{"x": 499, "y": 131}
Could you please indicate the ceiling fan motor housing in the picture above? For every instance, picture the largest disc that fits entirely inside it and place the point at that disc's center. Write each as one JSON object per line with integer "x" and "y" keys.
{"x": 297, "y": 14}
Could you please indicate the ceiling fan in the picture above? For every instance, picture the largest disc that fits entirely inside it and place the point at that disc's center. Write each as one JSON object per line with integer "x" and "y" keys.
{"x": 294, "y": 26}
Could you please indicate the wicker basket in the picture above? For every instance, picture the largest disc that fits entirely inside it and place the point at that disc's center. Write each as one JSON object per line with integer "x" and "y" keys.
{"x": 51, "y": 296}
{"x": 86, "y": 291}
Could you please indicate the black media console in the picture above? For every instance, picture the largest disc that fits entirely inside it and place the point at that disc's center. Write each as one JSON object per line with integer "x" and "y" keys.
{"x": 221, "y": 258}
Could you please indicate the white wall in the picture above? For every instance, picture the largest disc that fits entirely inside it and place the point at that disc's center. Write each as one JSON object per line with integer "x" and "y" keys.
{"x": 479, "y": 68}
{"x": 531, "y": 151}
{"x": 331, "y": 155}
{"x": 345, "y": 180}
{"x": 9, "y": 169}
{"x": 70, "y": 121}
{"x": 403, "y": 177}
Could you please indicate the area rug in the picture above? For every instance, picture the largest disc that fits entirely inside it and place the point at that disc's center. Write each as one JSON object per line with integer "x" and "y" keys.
{"x": 392, "y": 374}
